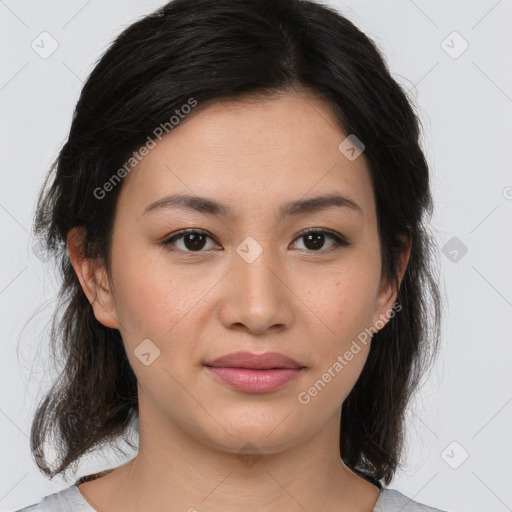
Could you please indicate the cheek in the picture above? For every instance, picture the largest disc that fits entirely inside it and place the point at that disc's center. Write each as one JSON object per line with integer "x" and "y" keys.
{"x": 334, "y": 374}
{"x": 345, "y": 298}
{"x": 152, "y": 300}
{"x": 161, "y": 307}
{"x": 340, "y": 355}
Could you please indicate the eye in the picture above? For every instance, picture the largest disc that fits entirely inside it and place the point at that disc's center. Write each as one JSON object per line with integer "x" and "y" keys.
{"x": 193, "y": 240}
{"x": 315, "y": 239}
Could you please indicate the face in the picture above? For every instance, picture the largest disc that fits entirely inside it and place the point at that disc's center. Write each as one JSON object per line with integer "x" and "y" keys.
{"x": 263, "y": 272}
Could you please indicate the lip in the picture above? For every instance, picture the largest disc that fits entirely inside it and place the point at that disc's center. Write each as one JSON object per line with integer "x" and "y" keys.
{"x": 264, "y": 361}
{"x": 255, "y": 373}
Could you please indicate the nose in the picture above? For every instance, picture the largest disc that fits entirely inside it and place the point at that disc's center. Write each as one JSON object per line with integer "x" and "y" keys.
{"x": 257, "y": 296}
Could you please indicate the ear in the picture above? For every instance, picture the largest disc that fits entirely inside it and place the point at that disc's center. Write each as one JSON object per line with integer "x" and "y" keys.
{"x": 387, "y": 292}
{"x": 93, "y": 279}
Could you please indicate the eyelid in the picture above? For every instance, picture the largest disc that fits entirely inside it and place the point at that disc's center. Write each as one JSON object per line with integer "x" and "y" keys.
{"x": 330, "y": 232}
{"x": 167, "y": 241}
{"x": 340, "y": 241}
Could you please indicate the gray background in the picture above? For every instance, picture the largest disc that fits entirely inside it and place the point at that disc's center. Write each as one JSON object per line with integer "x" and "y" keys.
{"x": 459, "y": 429}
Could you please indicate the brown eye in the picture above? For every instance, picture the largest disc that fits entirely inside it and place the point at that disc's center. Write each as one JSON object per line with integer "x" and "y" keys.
{"x": 315, "y": 239}
{"x": 192, "y": 240}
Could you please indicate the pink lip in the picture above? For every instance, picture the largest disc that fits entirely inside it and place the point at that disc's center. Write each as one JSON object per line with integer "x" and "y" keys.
{"x": 264, "y": 361}
{"x": 255, "y": 373}
{"x": 254, "y": 381}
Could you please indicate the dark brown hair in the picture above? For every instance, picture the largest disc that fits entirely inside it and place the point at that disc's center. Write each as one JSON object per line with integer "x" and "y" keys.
{"x": 211, "y": 50}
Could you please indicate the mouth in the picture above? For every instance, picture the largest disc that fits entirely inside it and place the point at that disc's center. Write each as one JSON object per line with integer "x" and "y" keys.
{"x": 255, "y": 373}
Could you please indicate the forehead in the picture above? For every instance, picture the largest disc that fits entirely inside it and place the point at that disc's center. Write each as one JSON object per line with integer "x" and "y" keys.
{"x": 252, "y": 154}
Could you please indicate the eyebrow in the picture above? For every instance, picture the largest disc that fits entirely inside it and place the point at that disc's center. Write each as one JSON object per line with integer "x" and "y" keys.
{"x": 211, "y": 207}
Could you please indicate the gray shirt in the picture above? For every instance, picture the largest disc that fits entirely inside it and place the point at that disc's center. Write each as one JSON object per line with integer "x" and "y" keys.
{"x": 71, "y": 500}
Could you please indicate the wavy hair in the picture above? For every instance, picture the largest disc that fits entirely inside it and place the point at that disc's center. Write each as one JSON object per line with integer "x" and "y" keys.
{"x": 235, "y": 49}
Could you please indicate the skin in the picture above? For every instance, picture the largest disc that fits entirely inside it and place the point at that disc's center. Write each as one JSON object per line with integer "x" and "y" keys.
{"x": 307, "y": 304}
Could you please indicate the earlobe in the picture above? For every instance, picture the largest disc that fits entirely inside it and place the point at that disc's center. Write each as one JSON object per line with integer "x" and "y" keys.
{"x": 93, "y": 279}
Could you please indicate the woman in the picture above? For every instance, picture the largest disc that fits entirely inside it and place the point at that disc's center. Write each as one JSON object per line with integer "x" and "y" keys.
{"x": 239, "y": 217}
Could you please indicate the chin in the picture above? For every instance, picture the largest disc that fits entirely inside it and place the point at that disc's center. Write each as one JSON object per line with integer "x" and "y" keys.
{"x": 257, "y": 437}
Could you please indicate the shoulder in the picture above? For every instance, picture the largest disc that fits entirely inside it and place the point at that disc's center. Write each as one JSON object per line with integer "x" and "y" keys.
{"x": 66, "y": 500}
{"x": 391, "y": 500}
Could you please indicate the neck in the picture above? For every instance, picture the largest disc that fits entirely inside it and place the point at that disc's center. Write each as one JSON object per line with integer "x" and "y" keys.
{"x": 175, "y": 470}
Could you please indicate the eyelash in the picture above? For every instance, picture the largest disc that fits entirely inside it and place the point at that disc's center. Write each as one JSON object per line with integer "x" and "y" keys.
{"x": 339, "y": 240}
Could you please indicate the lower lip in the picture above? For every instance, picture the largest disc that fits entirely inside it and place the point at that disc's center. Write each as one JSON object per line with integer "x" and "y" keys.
{"x": 254, "y": 381}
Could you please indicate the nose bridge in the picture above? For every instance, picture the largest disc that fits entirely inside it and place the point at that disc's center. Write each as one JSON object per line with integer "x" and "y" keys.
{"x": 257, "y": 297}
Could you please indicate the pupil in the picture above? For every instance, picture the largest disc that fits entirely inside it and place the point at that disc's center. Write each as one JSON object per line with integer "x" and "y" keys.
{"x": 197, "y": 241}
{"x": 315, "y": 238}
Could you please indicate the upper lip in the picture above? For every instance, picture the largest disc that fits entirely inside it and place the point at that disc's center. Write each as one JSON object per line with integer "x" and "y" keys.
{"x": 265, "y": 361}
